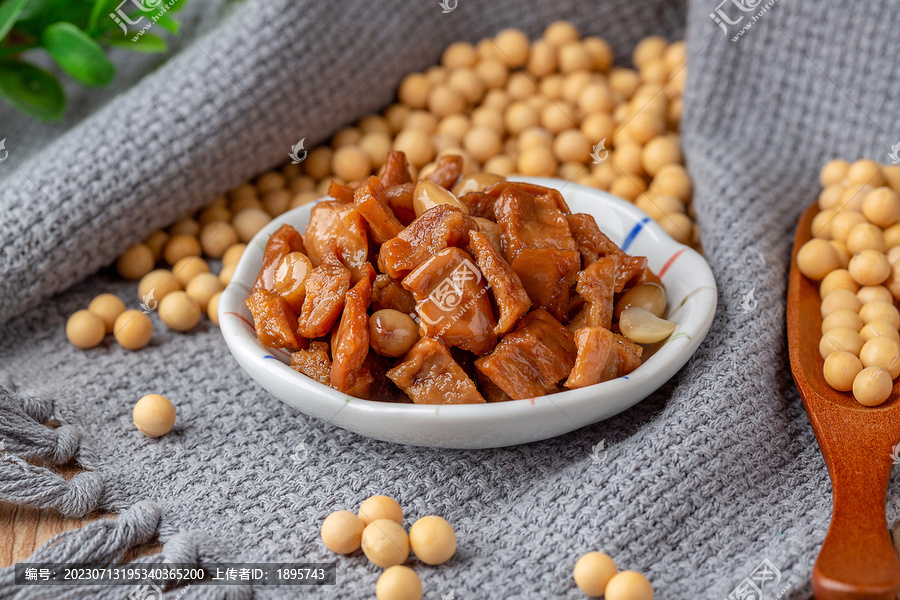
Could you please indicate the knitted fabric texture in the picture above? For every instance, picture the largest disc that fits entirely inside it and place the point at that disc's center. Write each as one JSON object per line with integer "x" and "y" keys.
{"x": 703, "y": 481}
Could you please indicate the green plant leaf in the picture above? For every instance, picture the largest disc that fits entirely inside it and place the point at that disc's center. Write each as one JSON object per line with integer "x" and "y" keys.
{"x": 9, "y": 12}
{"x": 101, "y": 8}
{"x": 31, "y": 90}
{"x": 40, "y": 14}
{"x": 104, "y": 25}
{"x": 177, "y": 5}
{"x": 147, "y": 43}
{"x": 77, "y": 54}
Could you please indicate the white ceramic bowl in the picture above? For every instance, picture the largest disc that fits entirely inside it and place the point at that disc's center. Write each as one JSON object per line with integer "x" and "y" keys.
{"x": 692, "y": 303}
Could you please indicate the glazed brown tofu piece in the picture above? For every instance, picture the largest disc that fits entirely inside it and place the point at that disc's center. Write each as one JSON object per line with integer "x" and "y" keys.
{"x": 597, "y": 285}
{"x": 285, "y": 240}
{"x": 479, "y": 204}
{"x": 337, "y": 233}
{"x": 602, "y": 355}
{"x": 429, "y": 375}
{"x": 274, "y": 320}
{"x": 528, "y": 221}
{"x": 326, "y": 287}
{"x": 400, "y": 200}
{"x": 396, "y": 170}
{"x": 446, "y": 171}
{"x": 369, "y": 201}
{"x": 452, "y": 301}
{"x": 538, "y": 246}
{"x": 547, "y": 275}
{"x": 492, "y": 232}
{"x": 390, "y": 293}
{"x": 511, "y": 298}
{"x": 362, "y": 384}
{"x": 593, "y": 244}
{"x": 590, "y": 241}
{"x": 489, "y": 389}
{"x": 313, "y": 362}
{"x": 546, "y": 195}
{"x": 350, "y": 343}
{"x": 531, "y": 360}
{"x": 437, "y": 228}
{"x": 341, "y": 192}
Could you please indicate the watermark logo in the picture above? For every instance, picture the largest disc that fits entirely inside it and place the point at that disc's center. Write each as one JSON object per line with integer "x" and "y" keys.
{"x": 595, "y": 155}
{"x": 146, "y": 591}
{"x": 123, "y": 20}
{"x": 300, "y": 453}
{"x": 5, "y": 151}
{"x": 725, "y": 18}
{"x": 720, "y": 17}
{"x": 449, "y": 292}
{"x": 151, "y": 591}
{"x": 751, "y": 587}
{"x": 448, "y": 6}
{"x": 894, "y": 154}
{"x": 596, "y": 457}
{"x": 296, "y": 158}
{"x": 451, "y": 595}
{"x": 121, "y": 16}
{"x": 748, "y": 302}
{"x": 895, "y": 453}
{"x": 148, "y": 302}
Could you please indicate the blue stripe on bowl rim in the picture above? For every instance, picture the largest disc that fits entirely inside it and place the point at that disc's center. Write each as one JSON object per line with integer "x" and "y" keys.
{"x": 634, "y": 233}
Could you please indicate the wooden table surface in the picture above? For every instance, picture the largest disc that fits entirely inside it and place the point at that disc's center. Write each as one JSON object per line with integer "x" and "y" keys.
{"x": 24, "y": 529}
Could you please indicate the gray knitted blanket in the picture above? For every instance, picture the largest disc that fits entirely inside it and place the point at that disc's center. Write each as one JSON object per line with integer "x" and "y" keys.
{"x": 703, "y": 481}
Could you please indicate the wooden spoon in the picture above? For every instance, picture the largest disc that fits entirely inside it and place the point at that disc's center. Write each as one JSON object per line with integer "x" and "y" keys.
{"x": 857, "y": 559}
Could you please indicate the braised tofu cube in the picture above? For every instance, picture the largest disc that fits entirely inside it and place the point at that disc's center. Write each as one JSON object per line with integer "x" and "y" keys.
{"x": 437, "y": 228}
{"x": 337, "y": 230}
{"x": 479, "y": 204}
{"x": 429, "y": 375}
{"x": 369, "y": 201}
{"x": 274, "y": 320}
{"x": 341, "y": 192}
{"x": 597, "y": 285}
{"x": 326, "y": 287}
{"x": 590, "y": 241}
{"x": 489, "y": 389}
{"x": 632, "y": 270}
{"x": 531, "y": 360}
{"x": 512, "y": 300}
{"x": 593, "y": 244}
{"x": 350, "y": 343}
{"x": 527, "y": 221}
{"x": 602, "y": 355}
{"x": 285, "y": 240}
{"x": 546, "y": 195}
{"x": 396, "y": 170}
{"x": 313, "y": 362}
{"x": 492, "y": 231}
{"x": 452, "y": 301}
{"x": 547, "y": 276}
{"x": 447, "y": 171}
{"x": 400, "y": 199}
{"x": 538, "y": 246}
{"x": 387, "y": 292}
{"x": 361, "y": 386}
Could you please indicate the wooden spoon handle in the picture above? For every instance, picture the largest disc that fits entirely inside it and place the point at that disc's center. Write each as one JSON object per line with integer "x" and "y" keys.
{"x": 857, "y": 559}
